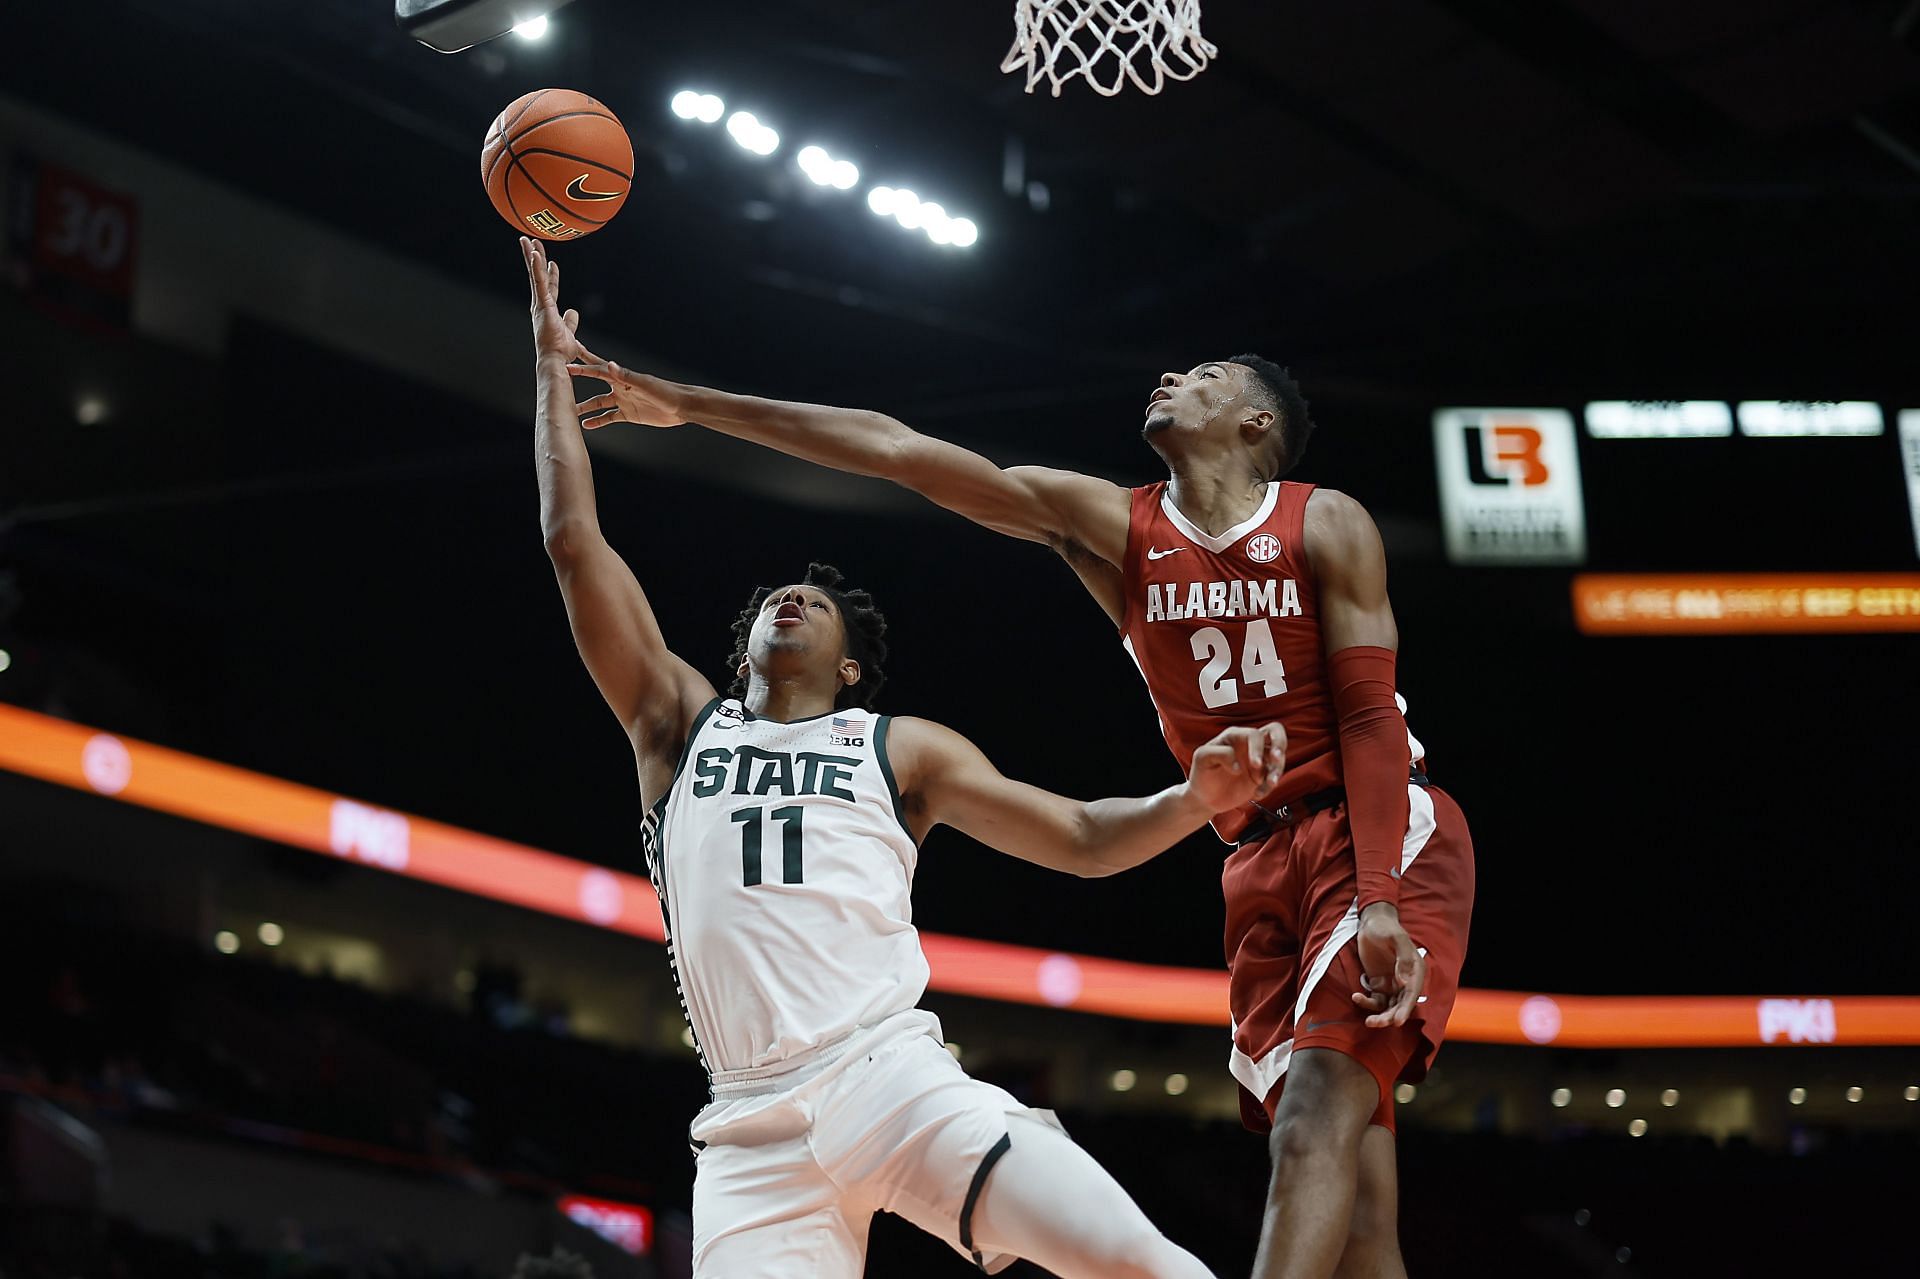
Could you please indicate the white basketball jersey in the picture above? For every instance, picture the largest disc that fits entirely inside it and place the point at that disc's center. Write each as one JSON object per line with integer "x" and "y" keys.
{"x": 785, "y": 872}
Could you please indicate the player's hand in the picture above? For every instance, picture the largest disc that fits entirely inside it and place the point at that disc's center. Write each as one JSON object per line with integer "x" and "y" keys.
{"x": 552, "y": 330}
{"x": 639, "y": 398}
{"x": 1396, "y": 971}
{"x": 1238, "y": 767}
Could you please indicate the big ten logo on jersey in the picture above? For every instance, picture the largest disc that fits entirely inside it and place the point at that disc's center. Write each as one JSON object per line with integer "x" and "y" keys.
{"x": 848, "y": 730}
{"x": 751, "y": 770}
{"x": 1510, "y": 486}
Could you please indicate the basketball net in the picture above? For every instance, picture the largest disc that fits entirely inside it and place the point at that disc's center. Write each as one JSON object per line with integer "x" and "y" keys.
{"x": 1109, "y": 42}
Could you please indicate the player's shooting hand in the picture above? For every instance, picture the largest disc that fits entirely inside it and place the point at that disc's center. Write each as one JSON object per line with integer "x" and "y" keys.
{"x": 639, "y": 398}
{"x": 552, "y": 330}
{"x": 1238, "y": 766}
{"x": 1396, "y": 971}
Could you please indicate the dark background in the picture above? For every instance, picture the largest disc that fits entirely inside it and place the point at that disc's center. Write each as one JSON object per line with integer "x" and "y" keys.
{"x": 297, "y": 562}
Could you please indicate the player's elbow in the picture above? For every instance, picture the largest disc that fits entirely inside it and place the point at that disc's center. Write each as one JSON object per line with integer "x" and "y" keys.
{"x": 566, "y": 540}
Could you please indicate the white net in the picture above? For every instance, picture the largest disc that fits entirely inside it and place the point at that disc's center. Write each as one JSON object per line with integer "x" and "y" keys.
{"x": 1108, "y": 42}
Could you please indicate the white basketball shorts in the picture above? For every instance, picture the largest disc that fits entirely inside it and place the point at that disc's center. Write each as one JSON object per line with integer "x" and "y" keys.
{"x": 788, "y": 1178}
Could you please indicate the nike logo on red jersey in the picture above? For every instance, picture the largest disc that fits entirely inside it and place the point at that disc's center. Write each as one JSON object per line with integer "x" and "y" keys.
{"x": 1154, "y": 553}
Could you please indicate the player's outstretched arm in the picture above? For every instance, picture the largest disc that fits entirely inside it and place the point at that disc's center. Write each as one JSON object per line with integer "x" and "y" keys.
{"x": 947, "y": 780}
{"x": 654, "y": 693}
{"x": 1059, "y": 508}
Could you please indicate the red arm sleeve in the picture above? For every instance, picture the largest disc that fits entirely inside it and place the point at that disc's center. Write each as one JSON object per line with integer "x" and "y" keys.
{"x": 1373, "y": 765}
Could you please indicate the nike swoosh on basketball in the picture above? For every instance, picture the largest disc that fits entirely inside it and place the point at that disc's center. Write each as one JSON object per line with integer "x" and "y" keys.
{"x": 576, "y": 190}
{"x": 1155, "y": 554}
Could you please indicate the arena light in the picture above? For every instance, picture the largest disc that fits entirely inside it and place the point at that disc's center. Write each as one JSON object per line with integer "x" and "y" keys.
{"x": 823, "y": 170}
{"x": 1855, "y": 1093}
{"x": 271, "y": 934}
{"x": 1176, "y": 1084}
{"x": 1638, "y": 1128}
{"x": 881, "y": 199}
{"x": 91, "y": 410}
{"x": 746, "y": 129}
{"x": 1912, "y": 1093}
{"x": 1796, "y": 1096}
{"x": 226, "y": 942}
{"x": 1616, "y": 1097}
{"x": 1562, "y": 1098}
{"x": 6, "y": 659}
{"x": 452, "y": 25}
{"x": 965, "y": 233}
{"x": 1670, "y": 1098}
{"x": 1405, "y": 1093}
{"x": 1123, "y": 1081}
{"x": 954, "y": 1049}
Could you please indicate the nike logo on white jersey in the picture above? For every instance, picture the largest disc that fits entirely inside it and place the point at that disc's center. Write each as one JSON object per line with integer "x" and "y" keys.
{"x": 1154, "y": 554}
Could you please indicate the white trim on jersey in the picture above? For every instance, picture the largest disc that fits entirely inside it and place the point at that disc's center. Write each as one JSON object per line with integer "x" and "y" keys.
{"x": 1259, "y": 1077}
{"x": 1208, "y": 541}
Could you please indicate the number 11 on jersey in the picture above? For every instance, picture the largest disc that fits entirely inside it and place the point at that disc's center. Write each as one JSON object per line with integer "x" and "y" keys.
{"x": 790, "y": 818}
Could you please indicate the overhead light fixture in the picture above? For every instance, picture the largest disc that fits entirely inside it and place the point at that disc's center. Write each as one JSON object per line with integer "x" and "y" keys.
{"x": 452, "y": 25}
{"x": 691, "y": 104}
{"x": 823, "y": 170}
{"x": 1123, "y": 1080}
{"x": 751, "y": 134}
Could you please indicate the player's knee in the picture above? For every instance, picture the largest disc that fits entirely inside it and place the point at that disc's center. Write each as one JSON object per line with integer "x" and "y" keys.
{"x": 1136, "y": 1252}
{"x": 1305, "y": 1132}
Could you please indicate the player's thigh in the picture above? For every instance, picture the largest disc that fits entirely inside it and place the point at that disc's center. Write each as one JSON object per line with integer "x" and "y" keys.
{"x": 1327, "y": 1100}
{"x": 770, "y": 1211}
{"x": 1048, "y": 1201}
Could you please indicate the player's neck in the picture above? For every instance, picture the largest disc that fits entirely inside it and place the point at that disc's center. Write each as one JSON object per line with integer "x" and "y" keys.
{"x": 1217, "y": 493}
{"x": 786, "y": 700}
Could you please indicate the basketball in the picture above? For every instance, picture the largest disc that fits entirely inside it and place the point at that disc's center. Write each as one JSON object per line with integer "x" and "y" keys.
{"x": 557, "y": 164}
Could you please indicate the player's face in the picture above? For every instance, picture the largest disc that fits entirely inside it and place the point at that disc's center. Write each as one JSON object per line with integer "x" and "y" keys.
{"x": 798, "y": 624}
{"x": 1189, "y": 405}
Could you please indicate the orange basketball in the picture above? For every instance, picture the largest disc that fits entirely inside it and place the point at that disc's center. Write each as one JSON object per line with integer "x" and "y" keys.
{"x": 557, "y": 164}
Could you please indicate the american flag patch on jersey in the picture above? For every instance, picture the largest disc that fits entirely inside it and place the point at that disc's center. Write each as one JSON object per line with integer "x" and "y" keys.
{"x": 848, "y": 730}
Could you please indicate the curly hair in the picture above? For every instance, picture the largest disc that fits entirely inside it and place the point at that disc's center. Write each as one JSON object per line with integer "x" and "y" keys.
{"x": 1275, "y": 386}
{"x": 865, "y": 626}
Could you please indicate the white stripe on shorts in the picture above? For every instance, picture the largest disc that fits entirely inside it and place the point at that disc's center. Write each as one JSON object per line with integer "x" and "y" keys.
{"x": 1259, "y": 1077}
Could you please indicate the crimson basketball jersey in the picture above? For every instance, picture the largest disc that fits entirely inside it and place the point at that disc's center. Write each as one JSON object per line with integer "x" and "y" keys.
{"x": 1226, "y": 632}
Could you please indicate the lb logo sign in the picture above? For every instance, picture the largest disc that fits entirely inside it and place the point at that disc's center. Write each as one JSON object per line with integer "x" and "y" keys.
{"x": 1510, "y": 486}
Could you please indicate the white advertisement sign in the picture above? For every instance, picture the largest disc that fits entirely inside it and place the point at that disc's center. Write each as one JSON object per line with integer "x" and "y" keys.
{"x": 1783, "y": 419}
{"x": 1659, "y": 419}
{"x": 1910, "y": 456}
{"x": 1510, "y": 486}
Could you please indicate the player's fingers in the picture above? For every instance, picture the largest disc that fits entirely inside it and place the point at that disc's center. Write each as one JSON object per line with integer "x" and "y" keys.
{"x": 572, "y": 319}
{"x": 599, "y": 420}
{"x": 1372, "y": 1003}
{"x": 597, "y": 404}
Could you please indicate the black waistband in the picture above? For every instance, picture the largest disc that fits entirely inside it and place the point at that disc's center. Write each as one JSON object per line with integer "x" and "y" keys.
{"x": 1320, "y": 801}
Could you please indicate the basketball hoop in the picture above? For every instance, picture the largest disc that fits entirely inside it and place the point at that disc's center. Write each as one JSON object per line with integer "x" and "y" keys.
{"x": 1109, "y": 42}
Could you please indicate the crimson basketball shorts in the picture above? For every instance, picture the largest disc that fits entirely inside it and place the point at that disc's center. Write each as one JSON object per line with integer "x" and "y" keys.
{"x": 1291, "y": 927}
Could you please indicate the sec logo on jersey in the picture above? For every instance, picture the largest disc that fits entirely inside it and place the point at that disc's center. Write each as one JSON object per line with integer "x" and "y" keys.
{"x": 1263, "y": 548}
